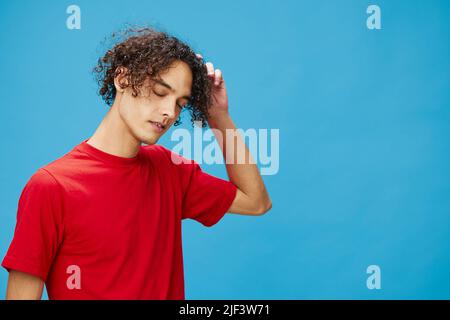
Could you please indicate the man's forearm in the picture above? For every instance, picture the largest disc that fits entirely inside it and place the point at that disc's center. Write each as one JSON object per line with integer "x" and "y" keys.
{"x": 244, "y": 174}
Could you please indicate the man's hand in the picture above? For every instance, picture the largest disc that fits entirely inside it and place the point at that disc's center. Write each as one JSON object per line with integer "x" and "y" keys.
{"x": 219, "y": 97}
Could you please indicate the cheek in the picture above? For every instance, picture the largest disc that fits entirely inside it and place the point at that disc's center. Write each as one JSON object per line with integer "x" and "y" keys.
{"x": 132, "y": 111}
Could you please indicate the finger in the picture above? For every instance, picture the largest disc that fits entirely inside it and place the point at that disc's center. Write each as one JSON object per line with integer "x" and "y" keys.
{"x": 199, "y": 56}
{"x": 217, "y": 77}
{"x": 210, "y": 69}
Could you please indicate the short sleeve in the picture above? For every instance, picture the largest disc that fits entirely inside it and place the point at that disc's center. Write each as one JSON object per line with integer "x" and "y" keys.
{"x": 206, "y": 198}
{"x": 39, "y": 226}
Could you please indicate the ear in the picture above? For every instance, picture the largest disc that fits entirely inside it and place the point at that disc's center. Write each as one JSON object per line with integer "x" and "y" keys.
{"x": 121, "y": 79}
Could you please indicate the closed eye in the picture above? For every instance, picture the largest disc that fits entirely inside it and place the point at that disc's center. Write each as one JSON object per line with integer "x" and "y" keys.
{"x": 165, "y": 94}
{"x": 158, "y": 94}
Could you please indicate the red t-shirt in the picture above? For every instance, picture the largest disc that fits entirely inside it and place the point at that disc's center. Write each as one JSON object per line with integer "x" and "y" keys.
{"x": 94, "y": 225}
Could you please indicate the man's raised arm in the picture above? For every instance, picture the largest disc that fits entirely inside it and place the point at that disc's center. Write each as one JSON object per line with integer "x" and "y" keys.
{"x": 252, "y": 197}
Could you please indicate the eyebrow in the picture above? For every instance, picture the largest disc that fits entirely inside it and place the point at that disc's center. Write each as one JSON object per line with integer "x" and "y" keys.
{"x": 165, "y": 84}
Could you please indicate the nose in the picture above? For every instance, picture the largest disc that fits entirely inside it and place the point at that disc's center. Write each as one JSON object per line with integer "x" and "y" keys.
{"x": 168, "y": 110}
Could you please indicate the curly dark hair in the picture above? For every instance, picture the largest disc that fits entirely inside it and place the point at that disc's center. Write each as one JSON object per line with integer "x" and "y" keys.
{"x": 145, "y": 52}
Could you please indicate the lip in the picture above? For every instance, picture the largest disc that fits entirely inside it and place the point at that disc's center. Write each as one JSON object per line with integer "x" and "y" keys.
{"x": 156, "y": 127}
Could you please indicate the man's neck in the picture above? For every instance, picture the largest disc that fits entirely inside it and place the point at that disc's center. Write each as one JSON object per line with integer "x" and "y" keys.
{"x": 112, "y": 136}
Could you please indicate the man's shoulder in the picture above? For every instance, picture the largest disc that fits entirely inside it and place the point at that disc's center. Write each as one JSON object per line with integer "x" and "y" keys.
{"x": 42, "y": 179}
{"x": 66, "y": 165}
{"x": 64, "y": 162}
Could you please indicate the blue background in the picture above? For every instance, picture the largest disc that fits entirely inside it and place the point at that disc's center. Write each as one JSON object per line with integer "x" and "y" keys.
{"x": 364, "y": 135}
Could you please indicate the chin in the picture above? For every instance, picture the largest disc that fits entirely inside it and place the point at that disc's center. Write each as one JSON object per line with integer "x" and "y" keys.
{"x": 148, "y": 140}
{"x": 148, "y": 136}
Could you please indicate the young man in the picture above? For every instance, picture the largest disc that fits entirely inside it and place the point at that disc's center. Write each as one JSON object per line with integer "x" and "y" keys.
{"x": 104, "y": 220}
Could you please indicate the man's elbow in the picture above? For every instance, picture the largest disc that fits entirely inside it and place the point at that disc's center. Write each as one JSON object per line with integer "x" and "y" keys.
{"x": 264, "y": 206}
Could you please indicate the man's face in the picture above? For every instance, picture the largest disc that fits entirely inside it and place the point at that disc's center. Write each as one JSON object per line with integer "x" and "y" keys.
{"x": 160, "y": 106}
